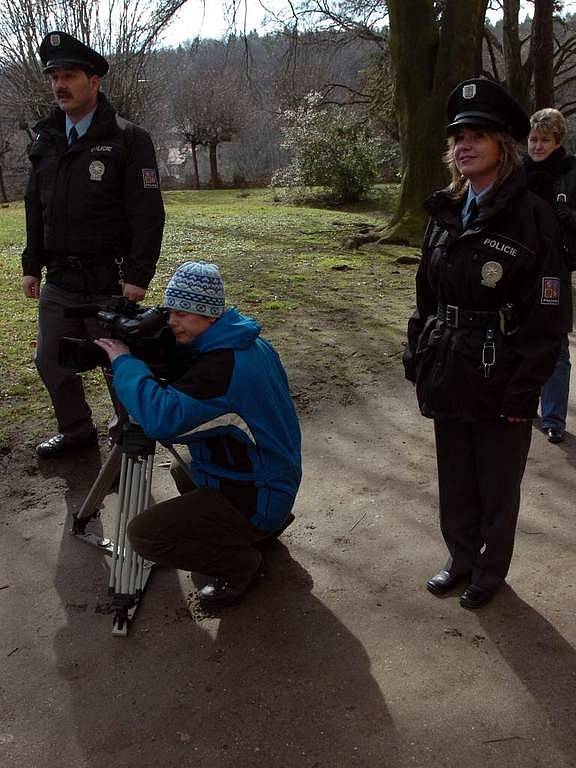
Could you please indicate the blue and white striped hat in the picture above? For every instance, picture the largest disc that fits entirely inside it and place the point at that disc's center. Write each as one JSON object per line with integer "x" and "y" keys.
{"x": 196, "y": 287}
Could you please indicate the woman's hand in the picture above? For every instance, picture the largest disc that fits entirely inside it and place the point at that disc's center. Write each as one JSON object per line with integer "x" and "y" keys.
{"x": 112, "y": 348}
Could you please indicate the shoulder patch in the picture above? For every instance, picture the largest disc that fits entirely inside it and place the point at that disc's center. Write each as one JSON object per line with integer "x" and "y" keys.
{"x": 150, "y": 178}
{"x": 550, "y": 290}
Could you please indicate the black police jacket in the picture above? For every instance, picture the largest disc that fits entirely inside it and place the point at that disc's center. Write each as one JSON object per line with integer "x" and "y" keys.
{"x": 554, "y": 180}
{"x": 94, "y": 212}
{"x": 507, "y": 277}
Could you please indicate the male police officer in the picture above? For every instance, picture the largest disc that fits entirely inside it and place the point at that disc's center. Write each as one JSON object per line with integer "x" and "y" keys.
{"x": 94, "y": 221}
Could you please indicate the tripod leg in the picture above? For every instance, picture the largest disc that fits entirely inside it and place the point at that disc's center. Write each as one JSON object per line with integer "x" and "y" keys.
{"x": 143, "y": 502}
{"x": 99, "y": 490}
{"x": 120, "y": 522}
{"x": 131, "y": 571}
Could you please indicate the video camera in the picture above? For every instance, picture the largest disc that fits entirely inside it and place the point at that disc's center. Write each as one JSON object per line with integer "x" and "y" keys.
{"x": 144, "y": 330}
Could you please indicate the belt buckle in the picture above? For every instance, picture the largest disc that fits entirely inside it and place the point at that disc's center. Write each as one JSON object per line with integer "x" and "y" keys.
{"x": 451, "y": 316}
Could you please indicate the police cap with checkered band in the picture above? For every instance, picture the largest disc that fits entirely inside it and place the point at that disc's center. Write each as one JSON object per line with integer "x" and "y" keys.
{"x": 485, "y": 104}
{"x": 59, "y": 49}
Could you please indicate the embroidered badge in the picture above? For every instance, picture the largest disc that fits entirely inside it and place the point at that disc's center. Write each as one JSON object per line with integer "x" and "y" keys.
{"x": 55, "y": 40}
{"x": 550, "y": 290}
{"x": 469, "y": 91}
{"x": 96, "y": 170}
{"x": 150, "y": 178}
{"x": 492, "y": 271}
{"x": 101, "y": 148}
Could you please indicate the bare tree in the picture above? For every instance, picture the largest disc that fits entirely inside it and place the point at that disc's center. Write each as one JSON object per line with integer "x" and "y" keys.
{"x": 209, "y": 102}
{"x": 123, "y": 31}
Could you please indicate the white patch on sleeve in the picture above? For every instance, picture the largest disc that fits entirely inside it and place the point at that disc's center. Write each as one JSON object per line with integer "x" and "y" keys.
{"x": 226, "y": 420}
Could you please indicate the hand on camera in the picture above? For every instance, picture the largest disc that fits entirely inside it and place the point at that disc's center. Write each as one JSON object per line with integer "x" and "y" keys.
{"x": 133, "y": 292}
{"x": 112, "y": 348}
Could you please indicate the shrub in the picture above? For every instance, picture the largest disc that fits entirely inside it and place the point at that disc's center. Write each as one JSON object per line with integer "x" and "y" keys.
{"x": 331, "y": 148}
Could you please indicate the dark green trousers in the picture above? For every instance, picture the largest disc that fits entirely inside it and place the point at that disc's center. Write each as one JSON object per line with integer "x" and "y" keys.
{"x": 198, "y": 531}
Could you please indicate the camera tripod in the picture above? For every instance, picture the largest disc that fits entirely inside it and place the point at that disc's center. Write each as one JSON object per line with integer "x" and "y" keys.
{"x": 130, "y": 463}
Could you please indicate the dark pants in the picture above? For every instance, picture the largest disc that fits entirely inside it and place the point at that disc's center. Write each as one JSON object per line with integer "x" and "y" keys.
{"x": 480, "y": 469}
{"x": 65, "y": 388}
{"x": 199, "y": 531}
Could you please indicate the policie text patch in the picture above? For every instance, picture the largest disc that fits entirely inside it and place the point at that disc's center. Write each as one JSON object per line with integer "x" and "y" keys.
{"x": 150, "y": 178}
{"x": 550, "y": 290}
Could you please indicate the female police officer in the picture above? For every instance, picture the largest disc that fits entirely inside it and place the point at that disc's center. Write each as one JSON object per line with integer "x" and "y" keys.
{"x": 485, "y": 334}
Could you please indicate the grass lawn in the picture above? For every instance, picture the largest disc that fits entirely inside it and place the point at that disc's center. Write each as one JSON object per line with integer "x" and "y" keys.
{"x": 336, "y": 317}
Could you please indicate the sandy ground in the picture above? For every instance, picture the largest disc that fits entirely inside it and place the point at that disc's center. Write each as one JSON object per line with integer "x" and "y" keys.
{"x": 340, "y": 657}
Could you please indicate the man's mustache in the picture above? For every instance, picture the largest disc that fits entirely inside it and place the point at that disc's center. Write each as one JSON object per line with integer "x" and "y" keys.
{"x": 62, "y": 93}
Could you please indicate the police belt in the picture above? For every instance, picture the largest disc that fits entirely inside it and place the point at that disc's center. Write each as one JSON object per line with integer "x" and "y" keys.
{"x": 74, "y": 260}
{"x": 457, "y": 317}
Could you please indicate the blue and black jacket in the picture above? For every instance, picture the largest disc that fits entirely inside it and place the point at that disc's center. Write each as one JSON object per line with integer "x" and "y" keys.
{"x": 232, "y": 408}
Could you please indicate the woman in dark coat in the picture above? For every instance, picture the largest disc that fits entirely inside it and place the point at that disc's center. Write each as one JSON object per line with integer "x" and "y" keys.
{"x": 485, "y": 334}
{"x": 552, "y": 175}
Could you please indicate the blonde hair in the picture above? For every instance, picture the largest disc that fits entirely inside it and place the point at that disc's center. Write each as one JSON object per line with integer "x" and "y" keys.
{"x": 511, "y": 158}
{"x": 549, "y": 120}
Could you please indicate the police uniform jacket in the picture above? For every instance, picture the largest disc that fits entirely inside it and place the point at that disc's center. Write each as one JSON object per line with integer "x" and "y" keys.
{"x": 94, "y": 212}
{"x": 554, "y": 180}
{"x": 486, "y": 331}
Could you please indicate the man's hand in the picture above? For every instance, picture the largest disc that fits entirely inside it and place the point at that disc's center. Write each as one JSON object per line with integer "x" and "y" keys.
{"x": 566, "y": 215}
{"x": 112, "y": 348}
{"x": 133, "y": 292}
{"x": 31, "y": 286}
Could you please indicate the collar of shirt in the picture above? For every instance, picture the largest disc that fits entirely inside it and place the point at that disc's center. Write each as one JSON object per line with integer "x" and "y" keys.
{"x": 465, "y": 212}
{"x": 82, "y": 125}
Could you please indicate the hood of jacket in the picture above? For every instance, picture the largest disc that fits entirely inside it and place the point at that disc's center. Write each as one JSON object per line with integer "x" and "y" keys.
{"x": 232, "y": 330}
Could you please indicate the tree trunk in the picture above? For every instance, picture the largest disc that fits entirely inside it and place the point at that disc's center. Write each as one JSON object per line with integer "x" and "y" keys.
{"x": 2, "y": 186}
{"x": 195, "y": 166}
{"x": 518, "y": 74}
{"x": 430, "y": 57}
{"x": 214, "y": 178}
{"x": 542, "y": 47}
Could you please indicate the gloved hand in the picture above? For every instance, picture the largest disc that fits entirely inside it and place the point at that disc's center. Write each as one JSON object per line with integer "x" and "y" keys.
{"x": 566, "y": 216}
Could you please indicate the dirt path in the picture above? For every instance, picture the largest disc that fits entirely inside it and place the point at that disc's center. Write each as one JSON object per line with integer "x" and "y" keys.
{"x": 340, "y": 658}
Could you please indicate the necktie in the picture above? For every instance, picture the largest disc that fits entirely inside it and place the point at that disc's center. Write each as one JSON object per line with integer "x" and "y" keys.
{"x": 72, "y": 136}
{"x": 472, "y": 213}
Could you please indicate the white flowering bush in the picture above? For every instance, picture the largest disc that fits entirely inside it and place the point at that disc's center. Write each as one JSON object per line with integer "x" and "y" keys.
{"x": 330, "y": 148}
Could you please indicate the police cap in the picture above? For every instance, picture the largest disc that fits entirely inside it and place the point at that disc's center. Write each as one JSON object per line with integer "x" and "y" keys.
{"x": 485, "y": 104}
{"x": 59, "y": 49}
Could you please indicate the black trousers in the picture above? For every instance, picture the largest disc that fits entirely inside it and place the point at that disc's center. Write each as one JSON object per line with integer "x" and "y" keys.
{"x": 480, "y": 469}
{"x": 198, "y": 531}
{"x": 66, "y": 389}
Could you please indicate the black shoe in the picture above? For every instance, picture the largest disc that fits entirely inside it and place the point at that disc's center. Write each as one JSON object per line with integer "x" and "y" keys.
{"x": 554, "y": 434}
{"x": 476, "y": 597}
{"x": 220, "y": 594}
{"x": 60, "y": 445}
{"x": 443, "y": 582}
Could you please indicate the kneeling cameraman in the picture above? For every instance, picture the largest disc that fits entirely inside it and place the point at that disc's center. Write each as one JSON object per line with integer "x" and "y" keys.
{"x": 231, "y": 406}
